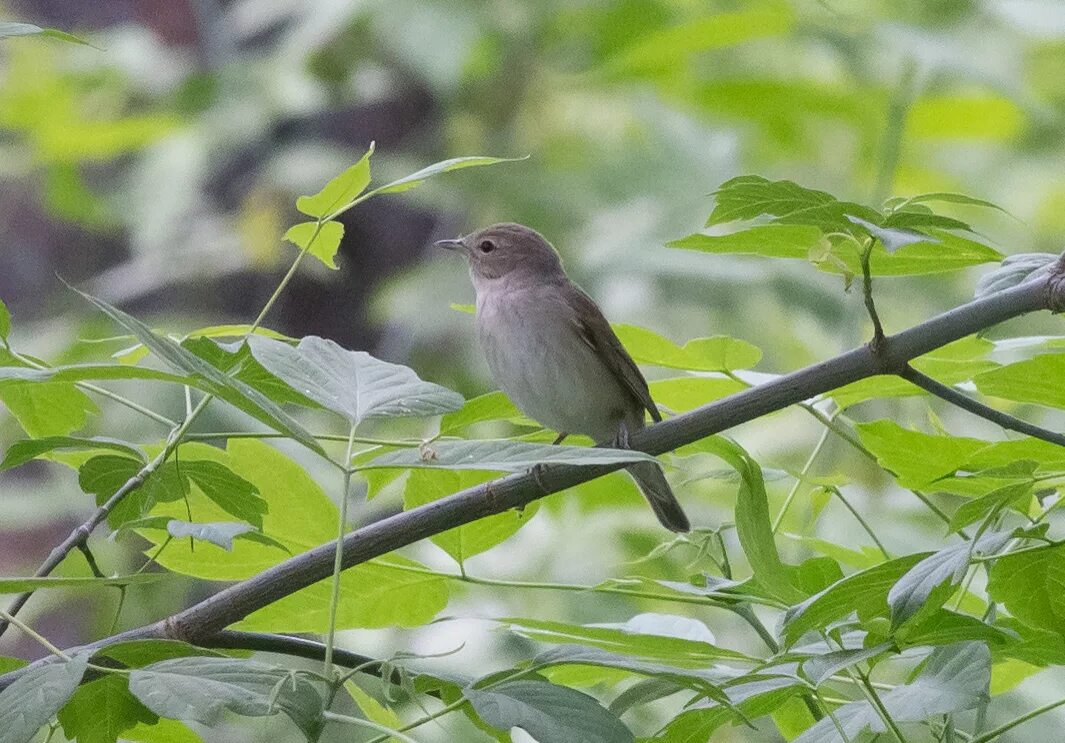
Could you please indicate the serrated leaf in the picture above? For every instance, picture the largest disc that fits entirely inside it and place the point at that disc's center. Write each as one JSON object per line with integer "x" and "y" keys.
{"x": 43, "y": 406}
{"x": 105, "y": 474}
{"x": 752, "y": 196}
{"x": 547, "y": 712}
{"x": 955, "y": 678}
{"x": 199, "y": 689}
{"x": 352, "y": 383}
{"x": 340, "y": 191}
{"x": 23, "y": 451}
{"x": 1032, "y": 586}
{"x": 231, "y": 390}
{"x": 1014, "y": 270}
{"x": 954, "y": 198}
{"x": 457, "y": 163}
{"x": 716, "y": 354}
{"x": 322, "y": 240}
{"x": 232, "y": 493}
{"x": 37, "y": 695}
{"x": 502, "y": 455}
{"x": 770, "y": 241}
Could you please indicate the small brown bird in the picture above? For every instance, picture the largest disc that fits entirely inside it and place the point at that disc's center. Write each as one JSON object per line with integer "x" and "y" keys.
{"x": 554, "y": 354}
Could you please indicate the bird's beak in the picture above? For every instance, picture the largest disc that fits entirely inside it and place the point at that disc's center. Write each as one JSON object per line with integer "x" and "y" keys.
{"x": 456, "y": 244}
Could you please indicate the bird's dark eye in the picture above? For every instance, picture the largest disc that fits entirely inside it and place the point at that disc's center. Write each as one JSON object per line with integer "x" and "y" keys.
{"x": 486, "y": 246}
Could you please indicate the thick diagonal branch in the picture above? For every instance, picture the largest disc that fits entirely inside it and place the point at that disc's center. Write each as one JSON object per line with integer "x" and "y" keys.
{"x": 207, "y": 618}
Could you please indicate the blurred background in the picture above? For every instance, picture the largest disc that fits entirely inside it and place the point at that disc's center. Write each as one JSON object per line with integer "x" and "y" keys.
{"x": 159, "y": 170}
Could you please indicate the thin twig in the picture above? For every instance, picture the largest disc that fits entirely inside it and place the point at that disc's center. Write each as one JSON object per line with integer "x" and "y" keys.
{"x": 963, "y": 401}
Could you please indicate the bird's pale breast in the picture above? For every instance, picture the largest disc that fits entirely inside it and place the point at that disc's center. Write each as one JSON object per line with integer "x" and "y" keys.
{"x": 539, "y": 359}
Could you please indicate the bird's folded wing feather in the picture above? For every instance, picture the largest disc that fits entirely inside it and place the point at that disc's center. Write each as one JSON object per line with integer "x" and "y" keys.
{"x": 597, "y": 333}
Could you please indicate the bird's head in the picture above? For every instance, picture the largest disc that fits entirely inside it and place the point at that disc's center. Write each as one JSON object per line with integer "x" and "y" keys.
{"x": 507, "y": 249}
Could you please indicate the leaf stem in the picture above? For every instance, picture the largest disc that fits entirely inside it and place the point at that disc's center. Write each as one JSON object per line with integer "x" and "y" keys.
{"x": 338, "y": 559}
{"x": 347, "y": 720}
{"x": 799, "y": 480}
{"x": 12, "y": 619}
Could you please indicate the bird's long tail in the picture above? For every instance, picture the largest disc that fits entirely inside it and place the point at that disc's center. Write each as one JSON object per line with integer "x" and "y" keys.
{"x": 654, "y": 487}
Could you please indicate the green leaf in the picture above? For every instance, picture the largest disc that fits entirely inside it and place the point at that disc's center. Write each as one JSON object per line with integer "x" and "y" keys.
{"x": 488, "y": 407}
{"x": 374, "y": 710}
{"x": 675, "y": 650}
{"x": 502, "y": 455}
{"x": 751, "y": 196}
{"x": 23, "y": 451}
{"x": 231, "y": 390}
{"x": 352, "y": 383}
{"x": 955, "y": 678}
{"x": 929, "y": 583}
{"x": 240, "y": 363}
{"x": 102, "y": 710}
{"x": 547, "y": 712}
{"x": 917, "y": 459}
{"x": 753, "y": 526}
{"x": 953, "y": 198}
{"x": 322, "y": 240}
{"x": 707, "y": 681}
{"x": 232, "y": 493}
{"x": 1014, "y": 495}
{"x": 37, "y": 695}
{"x": 9, "y": 30}
{"x": 105, "y": 474}
{"x": 200, "y": 689}
{"x": 820, "y": 668}
{"x": 1036, "y": 380}
{"x": 340, "y": 191}
{"x": 752, "y": 697}
{"x": 770, "y": 241}
{"x": 416, "y": 179}
{"x": 1014, "y": 270}
{"x": 942, "y": 627}
{"x": 5, "y": 322}
{"x": 1030, "y": 585}
{"x": 463, "y": 542}
{"x": 163, "y": 731}
{"x": 42, "y": 407}
{"x": 716, "y": 354}
{"x": 864, "y": 592}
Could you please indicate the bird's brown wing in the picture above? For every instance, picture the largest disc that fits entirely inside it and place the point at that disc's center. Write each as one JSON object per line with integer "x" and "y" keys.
{"x": 597, "y": 333}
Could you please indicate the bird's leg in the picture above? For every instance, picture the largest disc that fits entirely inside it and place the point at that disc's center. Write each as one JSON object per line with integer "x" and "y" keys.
{"x": 621, "y": 440}
{"x": 537, "y": 470}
